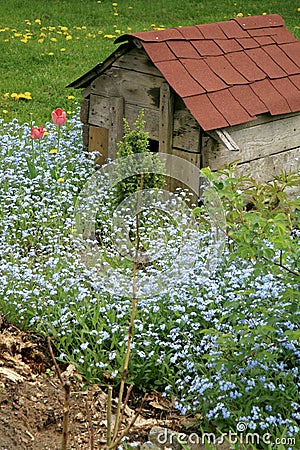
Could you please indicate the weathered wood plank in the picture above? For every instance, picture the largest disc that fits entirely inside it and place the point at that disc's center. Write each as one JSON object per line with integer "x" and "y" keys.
{"x": 85, "y": 137}
{"x": 166, "y": 119}
{"x": 84, "y": 110}
{"x": 264, "y": 169}
{"x": 116, "y": 114}
{"x": 99, "y": 115}
{"x": 139, "y": 88}
{"x": 137, "y": 60}
{"x": 99, "y": 111}
{"x": 151, "y": 117}
{"x": 98, "y": 142}
{"x": 182, "y": 177}
{"x": 256, "y": 142}
{"x": 186, "y": 130}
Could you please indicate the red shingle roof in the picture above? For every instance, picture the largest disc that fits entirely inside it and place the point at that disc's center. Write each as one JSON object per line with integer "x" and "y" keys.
{"x": 229, "y": 72}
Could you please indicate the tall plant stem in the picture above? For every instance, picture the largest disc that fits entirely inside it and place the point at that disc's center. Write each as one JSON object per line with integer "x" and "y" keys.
{"x": 133, "y": 313}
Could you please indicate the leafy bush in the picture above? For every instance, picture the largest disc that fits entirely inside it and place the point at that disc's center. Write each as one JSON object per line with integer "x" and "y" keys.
{"x": 136, "y": 141}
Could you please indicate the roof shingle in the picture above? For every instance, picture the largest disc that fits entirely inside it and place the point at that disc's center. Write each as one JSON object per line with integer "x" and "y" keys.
{"x": 229, "y": 72}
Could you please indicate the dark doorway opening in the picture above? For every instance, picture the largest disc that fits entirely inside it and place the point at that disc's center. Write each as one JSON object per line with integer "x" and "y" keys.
{"x": 153, "y": 146}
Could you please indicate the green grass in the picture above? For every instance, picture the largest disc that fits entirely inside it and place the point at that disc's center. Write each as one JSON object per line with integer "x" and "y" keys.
{"x": 28, "y": 66}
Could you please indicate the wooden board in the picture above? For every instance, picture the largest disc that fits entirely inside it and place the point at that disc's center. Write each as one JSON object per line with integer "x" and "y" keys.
{"x": 84, "y": 110}
{"x": 151, "y": 117}
{"x": 137, "y": 60}
{"x": 99, "y": 111}
{"x": 186, "y": 130}
{"x": 166, "y": 119}
{"x": 98, "y": 142}
{"x": 182, "y": 177}
{"x": 135, "y": 87}
{"x": 116, "y": 130}
{"x": 264, "y": 169}
{"x": 258, "y": 141}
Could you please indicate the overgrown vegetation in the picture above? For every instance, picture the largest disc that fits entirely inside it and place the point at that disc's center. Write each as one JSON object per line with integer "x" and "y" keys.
{"x": 227, "y": 349}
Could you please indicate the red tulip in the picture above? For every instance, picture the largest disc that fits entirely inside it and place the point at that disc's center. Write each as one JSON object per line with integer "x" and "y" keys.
{"x": 59, "y": 116}
{"x": 37, "y": 132}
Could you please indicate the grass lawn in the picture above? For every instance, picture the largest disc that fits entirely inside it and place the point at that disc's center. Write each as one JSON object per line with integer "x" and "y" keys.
{"x": 46, "y": 45}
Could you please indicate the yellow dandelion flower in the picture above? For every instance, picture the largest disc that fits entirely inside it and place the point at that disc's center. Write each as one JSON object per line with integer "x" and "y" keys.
{"x": 6, "y": 95}
{"x": 100, "y": 32}
{"x": 83, "y": 27}
{"x": 109, "y": 36}
{"x": 51, "y": 54}
{"x": 69, "y": 112}
{"x": 40, "y": 41}
{"x": 53, "y": 151}
{"x": 298, "y": 9}
{"x": 69, "y": 37}
{"x": 53, "y": 39}
{"x": 116, "y": 14}
{"x": 27, "y": 22}
{"x": 115, "y": 4}
{"x": 14, "y": 95}
{"x": 240, "y": 15}
{"x": 118, "y": 31}
{"x": 264, "y": 14}
{"x": 46, "y": 133}
{"x": 42, "y": 35}
{"x": 38, "y": 21}
{"x": 24, "y": 40}
{"x": 27, "y": 96}
{"x": 63, "y": 49}
{"x": 18, "y": 34}
{"x": 4, "y": 111}
{"x": 59, "y": 32}
{"x": 6, "y": 40}
{"x": 51, "y": 28}
{"x": 130, "y": 7}
{"x": 71, "y": 97}
{"x": 61, "y": 180}
{"x": 129, "y": 28}
{"x": 63, "y": 28}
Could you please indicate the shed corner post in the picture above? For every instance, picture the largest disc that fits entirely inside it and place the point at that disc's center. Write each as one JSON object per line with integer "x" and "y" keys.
{"x": 166, "y": 119}
{"x": 84, "y": 117}
{"x": 166, "y": 125}
{"x": 116, "y": 114}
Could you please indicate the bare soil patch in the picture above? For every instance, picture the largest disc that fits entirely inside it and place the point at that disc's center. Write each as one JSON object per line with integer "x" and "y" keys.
{"x": 32, "y": 400}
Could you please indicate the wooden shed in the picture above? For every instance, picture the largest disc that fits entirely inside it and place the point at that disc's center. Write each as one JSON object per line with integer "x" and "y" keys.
{"x": 211, "y": 93}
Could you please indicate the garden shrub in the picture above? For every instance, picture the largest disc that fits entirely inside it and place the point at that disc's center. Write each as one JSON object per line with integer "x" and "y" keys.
{"x": 136, "y": 141}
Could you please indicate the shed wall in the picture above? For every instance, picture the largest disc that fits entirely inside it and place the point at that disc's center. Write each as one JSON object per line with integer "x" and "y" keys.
{"x": 268, "y": 146}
